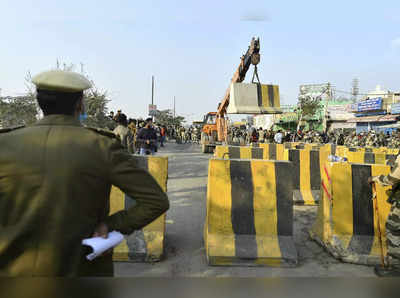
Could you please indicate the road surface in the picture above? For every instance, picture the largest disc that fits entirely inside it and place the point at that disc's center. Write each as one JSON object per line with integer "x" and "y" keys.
{"x": 185, "y": 253}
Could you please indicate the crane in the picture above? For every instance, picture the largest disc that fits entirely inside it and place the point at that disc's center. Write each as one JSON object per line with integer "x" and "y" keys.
{"x": 215, "y": 123}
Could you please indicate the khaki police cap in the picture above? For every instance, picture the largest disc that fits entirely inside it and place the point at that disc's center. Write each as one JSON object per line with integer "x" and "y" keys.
{"x": 62, "y": 81}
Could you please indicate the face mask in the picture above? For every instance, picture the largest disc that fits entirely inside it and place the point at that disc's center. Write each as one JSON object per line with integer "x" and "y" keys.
{"x": 82, "y": 117}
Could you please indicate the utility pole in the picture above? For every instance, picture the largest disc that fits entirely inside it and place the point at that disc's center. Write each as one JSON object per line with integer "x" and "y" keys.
{"x": 152, "y": 90}
{"x": 152, "y": 95}
{"x": 174, "y": 107}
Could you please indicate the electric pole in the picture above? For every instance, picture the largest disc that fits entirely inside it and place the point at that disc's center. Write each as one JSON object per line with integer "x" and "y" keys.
{"x": 174, "y": 107}
{"x": 152, "y": 96}
{"x": 152, "y": 90}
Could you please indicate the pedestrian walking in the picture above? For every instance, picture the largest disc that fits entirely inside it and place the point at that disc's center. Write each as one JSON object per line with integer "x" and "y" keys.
{"x": 147, "y": 138}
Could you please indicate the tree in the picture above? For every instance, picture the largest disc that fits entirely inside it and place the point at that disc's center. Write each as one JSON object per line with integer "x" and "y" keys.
{"x": 19, "y": 110}
{"x": 24, "y": 110}
{"x": 309, "y": 105}
{"x": 95, "y": 101}
{"x": 166, "y": 117}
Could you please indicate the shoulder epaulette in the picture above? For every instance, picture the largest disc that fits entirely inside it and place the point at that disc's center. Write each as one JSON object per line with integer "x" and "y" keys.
{"x": 8, "y": 129}
{"x": 104, "y": 132}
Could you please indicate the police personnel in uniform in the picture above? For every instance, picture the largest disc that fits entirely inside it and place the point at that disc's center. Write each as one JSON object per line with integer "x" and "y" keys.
{"x": 55, "y": 182}
{"x": 393, "y": 221}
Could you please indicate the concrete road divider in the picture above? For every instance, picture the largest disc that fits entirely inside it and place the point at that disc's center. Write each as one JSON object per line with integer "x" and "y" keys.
{"x": 369, "y": 157}
{"x": 249, "y": 217}
{"x": 273, "y": 151}
{"x": 306, "y": 174}
{"x": 346, "y": 223}
{"x": 146, "y": 245}
{"x": 238, "y": 152}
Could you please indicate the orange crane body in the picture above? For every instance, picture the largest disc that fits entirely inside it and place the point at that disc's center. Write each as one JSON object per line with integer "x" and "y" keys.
{"x": 220, "y": 126}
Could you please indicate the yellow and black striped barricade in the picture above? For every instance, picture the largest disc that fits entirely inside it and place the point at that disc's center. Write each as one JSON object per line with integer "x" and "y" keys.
{"x": 273, "y": 151}
{"x": 391, "y": 151}
{"x": 306, "y": 174}
{"x": 346, "y": 223}
{"x": 331, "y": 148}
{"x": 369, "y": 157}
{"x": 307, "y": 146}
{"x": 238, "y": 152}
{"x": 146, "y": 245}
{"x": 249, "y": 217}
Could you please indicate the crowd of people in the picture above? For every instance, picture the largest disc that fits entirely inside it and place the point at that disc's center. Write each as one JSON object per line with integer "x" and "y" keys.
{"x": 338, "y": 137}
{"x": 138, "y": 136}
{"x": 145, "y": 136}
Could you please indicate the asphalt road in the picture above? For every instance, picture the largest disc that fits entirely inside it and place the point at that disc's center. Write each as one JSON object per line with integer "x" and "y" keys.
{"x": 185, "y": 254}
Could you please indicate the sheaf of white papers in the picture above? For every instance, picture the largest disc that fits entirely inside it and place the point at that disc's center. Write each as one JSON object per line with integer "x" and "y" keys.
{"x": 100, "y": 245}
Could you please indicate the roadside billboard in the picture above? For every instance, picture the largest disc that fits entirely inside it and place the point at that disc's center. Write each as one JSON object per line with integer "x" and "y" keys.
{"x": 372, "y": 104}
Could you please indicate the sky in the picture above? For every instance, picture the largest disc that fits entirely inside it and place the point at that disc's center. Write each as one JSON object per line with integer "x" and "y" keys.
{"x": 193, "y": 47}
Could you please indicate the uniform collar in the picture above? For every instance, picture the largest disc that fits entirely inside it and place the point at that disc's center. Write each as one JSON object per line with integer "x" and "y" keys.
{"x": 59, "y": 120}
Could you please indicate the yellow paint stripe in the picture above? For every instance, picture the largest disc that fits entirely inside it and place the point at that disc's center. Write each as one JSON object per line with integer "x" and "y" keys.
{"x": 265, "y": 96}
{"x": 265, "y": 212}
{"x": 277, "y": 101}
{"x": 280, "y": 152}
{"x": 117, "y": 203}
{"x": 221, "y": 152}
{"x": 384, "y": 209}
{"x": 155, "y": 231}
{"x": 342, "y": 212}
{"x": 322, "y": 227}
{"x": 305, "y": 178}
{"x": 245, "y": 152}
{"x": 265, "y": 150}
{"x": 380, "y": 158}
{"x": 219, "y": 236}
{"x": 355, "y": 157}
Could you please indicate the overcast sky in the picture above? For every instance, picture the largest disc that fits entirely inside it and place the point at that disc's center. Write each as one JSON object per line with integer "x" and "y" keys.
{"x": 193, "y": 47}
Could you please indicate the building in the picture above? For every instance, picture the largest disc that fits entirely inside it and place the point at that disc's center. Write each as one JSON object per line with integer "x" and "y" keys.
{"x": 336, "y": 115}
{"x": 263, "y": 121}
{"x": 377, "y": 111}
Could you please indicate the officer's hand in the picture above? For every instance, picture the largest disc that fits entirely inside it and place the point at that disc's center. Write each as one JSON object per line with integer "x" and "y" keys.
{"x": 371, "y": 180}
{"x": 101, "y": 231}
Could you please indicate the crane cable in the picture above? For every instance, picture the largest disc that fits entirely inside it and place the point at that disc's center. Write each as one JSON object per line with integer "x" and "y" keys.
{"x": 255, "y": 75}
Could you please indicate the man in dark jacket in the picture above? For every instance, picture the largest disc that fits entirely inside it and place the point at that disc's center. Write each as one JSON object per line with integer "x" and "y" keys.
{"x": 147, "y": 138}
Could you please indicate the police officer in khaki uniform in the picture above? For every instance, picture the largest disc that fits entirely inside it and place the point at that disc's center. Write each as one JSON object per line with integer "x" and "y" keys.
{"x": 55, "y": 182}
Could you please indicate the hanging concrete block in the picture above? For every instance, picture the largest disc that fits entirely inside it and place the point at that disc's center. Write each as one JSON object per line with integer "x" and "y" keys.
{"x": 254, "y": 99}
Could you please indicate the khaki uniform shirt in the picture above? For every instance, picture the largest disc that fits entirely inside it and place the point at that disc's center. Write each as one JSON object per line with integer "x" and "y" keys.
{"x": 55, "y": 182}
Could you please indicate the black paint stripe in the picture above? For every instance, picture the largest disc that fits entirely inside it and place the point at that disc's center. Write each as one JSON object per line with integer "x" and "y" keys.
{"x": 391, "y": 157}
{"x": 294, "y": 157}
{"x": 143, "y": 163}
{"x": 352, "y": 149}
{"x": 369, "y": 157}
{"x": 271, "y": 95}
{"x": 315, "y": 174}
{"x": 333, "y": 149}
{"x": 363, "y": 216}
{"x": 368, "y": 150}
{"x": 272, "y": 151}
{"x": 259, "y": 95}
{"x": 242, "y": 215}
{"x": 257, "y": 153}
{"x": 234, "y": 152}
{"x": 284, "y": 206}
